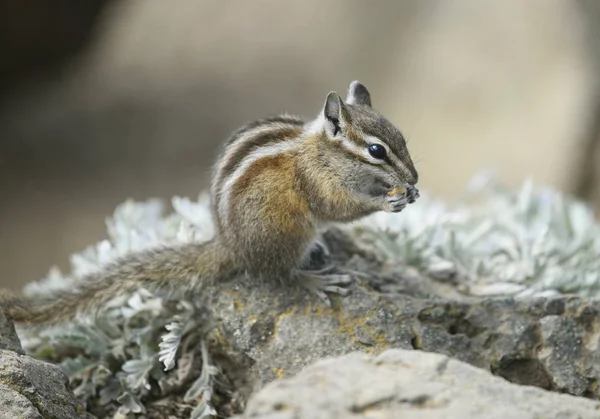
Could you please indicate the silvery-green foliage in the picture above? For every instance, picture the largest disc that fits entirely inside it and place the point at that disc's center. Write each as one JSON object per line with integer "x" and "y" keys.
{"x": 135, "y": 334}
{"x": 536, "y": 241}
{"x": 493, "y": 241}
{"x": 203, "y": 387}
{"x": 138, "y": 372}
{"x": 130, "y": 402}
{"x": 170, "y": 341}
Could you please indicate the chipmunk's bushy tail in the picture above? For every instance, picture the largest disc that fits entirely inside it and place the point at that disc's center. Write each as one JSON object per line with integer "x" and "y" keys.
{"x": 182, "y": 269}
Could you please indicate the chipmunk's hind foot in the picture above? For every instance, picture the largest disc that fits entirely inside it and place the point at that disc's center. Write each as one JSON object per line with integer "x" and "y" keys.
{"x": 322, "y": 282}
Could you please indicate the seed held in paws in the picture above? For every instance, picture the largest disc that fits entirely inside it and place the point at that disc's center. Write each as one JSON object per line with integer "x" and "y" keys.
{"x": 398, "y": 190}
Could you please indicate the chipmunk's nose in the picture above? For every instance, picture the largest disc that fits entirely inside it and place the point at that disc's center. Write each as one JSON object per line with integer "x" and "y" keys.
{"x": 415, "y": 178}
{"x": 410, "y": 176}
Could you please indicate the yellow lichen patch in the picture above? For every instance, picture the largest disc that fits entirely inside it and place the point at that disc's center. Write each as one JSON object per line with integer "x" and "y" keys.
{"x": 237, "y": 302}
{"x": 278, "y": 372}
{"x": 381, "y": 340}
{"x": 219, "y": 338}
{"x": 381, "y": 344}
{"x": 349, "y": 325}
{"x": 318, "y": 310}
{"x": 287, "y": 313}
{"x": 238, "y": 305}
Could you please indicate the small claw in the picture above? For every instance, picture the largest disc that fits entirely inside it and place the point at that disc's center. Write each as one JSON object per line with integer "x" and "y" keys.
{"x": 325, "y": 270}
{"x": 412, "y": 193}
{"x": 323, "y": 297}
{"x": 339, "y": 279}
{"x": 322, "y": 284}
{"x": 344, "y": 292}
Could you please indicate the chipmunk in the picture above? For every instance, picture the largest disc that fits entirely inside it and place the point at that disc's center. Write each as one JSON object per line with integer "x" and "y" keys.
{"x": 276, "y": 182}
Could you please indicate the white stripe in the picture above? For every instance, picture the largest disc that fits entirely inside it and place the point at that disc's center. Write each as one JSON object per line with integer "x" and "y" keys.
{"x": 237, "y": 144}
{"x": 392, "y": 156}
{"x": 316, "y": 126}
{"x": 251, "y": 158}
{"x": 241, "y": 140}
{"x": 363, "y": 150}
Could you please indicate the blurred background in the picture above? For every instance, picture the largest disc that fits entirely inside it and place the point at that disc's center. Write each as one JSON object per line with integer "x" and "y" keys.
{"x": 105, "y": 100}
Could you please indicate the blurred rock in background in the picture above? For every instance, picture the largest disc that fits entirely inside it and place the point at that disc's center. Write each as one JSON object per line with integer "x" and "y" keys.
{"x": 106, "y": 100}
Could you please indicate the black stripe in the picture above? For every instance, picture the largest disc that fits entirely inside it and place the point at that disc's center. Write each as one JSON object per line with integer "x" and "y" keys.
{"x": 266, "y": 138}
{"x": 285, "y": 119}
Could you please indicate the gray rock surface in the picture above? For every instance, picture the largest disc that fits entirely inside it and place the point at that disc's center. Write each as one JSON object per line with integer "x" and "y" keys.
{"x": 551, "y": 343}
{"x": 8, "y": 336}
{"x": 409, "y": 385}
{"x": 32, "y": 389}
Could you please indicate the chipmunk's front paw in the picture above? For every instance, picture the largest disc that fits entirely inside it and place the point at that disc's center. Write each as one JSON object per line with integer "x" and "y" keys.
{"x": 396, "y": 203}
{"x": 412, "y": 193}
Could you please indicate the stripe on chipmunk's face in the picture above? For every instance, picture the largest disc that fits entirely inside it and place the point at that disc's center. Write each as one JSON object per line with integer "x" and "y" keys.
{"x": 365, "y": 133}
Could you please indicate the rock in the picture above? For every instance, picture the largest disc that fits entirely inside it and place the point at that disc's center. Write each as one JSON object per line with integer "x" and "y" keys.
{"x": 8, "y": 335}
{"x": 408, "y": 384}
{"x": 30, "y": 388}
{"x": 552, "y": 343}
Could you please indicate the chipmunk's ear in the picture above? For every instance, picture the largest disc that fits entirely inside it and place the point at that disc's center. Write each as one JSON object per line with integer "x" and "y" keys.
{"x": 358, "y": 94}
{"x": 335, "y": 114}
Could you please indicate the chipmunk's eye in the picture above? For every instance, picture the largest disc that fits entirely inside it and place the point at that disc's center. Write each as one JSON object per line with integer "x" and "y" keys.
{"x": 377, "y": 151}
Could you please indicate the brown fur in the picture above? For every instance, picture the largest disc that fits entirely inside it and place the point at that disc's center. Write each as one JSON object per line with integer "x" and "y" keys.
{"x": 230, "y": 160}
{"x": 269, "y": 242}
{"x": 277, "y": 134}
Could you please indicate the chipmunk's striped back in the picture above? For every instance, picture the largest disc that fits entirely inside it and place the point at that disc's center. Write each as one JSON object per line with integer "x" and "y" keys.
{"x": 248, "y": 145}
